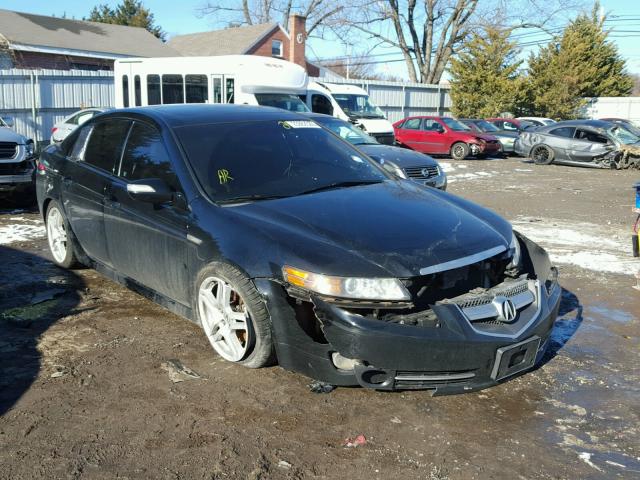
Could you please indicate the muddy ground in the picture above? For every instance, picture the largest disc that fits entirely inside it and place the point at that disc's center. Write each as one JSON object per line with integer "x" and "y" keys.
{"x": 86, "y": 369}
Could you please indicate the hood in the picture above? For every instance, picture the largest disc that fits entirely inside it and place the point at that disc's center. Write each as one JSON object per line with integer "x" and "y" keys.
{"x": 471, "y": 136}
{"x": 392, "y": 228}
{"x": 8, "y": 135}
{"x": 375, "y": 125}
{"x": 403, "y": 157}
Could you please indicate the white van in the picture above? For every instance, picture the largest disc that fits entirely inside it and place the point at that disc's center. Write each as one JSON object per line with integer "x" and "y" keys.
{"x": 240, "y": 79}
{"x": 350, "y": 103}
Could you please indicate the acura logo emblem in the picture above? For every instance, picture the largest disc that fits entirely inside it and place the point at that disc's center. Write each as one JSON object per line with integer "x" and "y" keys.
{"x": 505, "y": 308}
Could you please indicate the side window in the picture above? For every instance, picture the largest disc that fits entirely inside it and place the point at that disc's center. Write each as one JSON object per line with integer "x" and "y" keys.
{"x": 84, "y": 116}
{"x": 230, "y": 87}
{"x": 566, "y": 132}
{"x": 507, "y": 126}
{"x": 196, "y": 88}
{"x": 431, "y": 125}
{"x": 105, "y": 144}
{"x": 412, "y": 124}
{"x": 153, "y": 90}
{"x": 172, "y": 89}
{"x": 73, "y": 146}
{"x": 137, "y": 90}
{"x": 321, "y": 104}
{"x": 125, "y": 90}
{"x": 217, "y": 90}
{"x": 590, "y": 136}
{"x": 145, "y": 157}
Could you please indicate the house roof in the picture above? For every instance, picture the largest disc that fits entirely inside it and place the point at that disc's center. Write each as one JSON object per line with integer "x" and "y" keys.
{"x": 24, "y": 31}
{"x": 230, "y": 41}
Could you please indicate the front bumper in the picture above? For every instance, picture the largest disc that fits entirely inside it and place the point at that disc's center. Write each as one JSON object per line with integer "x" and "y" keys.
{"x": 446, "y": 355}
{"x": 485, "y": 148}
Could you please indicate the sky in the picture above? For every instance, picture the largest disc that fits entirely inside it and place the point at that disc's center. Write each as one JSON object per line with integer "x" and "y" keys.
{"x": 180, "y": 17}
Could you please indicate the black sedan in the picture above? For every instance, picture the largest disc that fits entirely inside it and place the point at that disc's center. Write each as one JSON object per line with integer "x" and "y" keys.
{"x": 402, "y": 162}
{"x": 588, "y": 143}
{"x": 286, "y": 243}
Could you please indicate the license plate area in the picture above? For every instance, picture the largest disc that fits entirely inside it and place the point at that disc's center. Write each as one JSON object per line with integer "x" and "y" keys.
{"x": 515, "y": 358}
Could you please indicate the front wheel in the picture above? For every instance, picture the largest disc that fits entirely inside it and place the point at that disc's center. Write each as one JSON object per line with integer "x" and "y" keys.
{"x": 234, "y": 317}
{"x": 59, "y": 237}
{"x": 459, "y": 151}
{"x": 542, "y": 155}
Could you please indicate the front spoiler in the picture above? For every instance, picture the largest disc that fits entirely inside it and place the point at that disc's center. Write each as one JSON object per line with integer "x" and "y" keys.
{"x": 448, "y": 359}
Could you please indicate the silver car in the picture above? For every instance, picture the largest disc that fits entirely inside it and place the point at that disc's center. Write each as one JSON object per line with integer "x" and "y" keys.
{"x": 61, "y": 129}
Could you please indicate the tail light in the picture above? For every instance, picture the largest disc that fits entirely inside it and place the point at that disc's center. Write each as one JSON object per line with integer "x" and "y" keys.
{"x": 54, "y": 130}
{"x": 41, "y": 167}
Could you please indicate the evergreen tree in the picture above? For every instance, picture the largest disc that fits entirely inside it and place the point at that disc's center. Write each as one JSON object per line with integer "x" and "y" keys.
{"x": 484, "y": 75}
{"x": 131, "y": 13}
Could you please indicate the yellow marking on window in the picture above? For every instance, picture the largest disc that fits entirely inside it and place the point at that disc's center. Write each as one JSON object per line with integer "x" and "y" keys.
{"x": 223, "y": 176}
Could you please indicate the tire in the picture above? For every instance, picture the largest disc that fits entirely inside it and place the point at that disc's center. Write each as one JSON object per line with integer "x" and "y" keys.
{"x": 249, "y": 343}
{"x": 542, "y": 155}
{"x": 459, "y": 151}
{"x": 60, "y": 237}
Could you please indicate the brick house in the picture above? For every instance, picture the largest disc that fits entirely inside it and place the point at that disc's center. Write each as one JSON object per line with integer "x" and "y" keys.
{"x": 266, "y": 39}
{"x": 38, "y": 41}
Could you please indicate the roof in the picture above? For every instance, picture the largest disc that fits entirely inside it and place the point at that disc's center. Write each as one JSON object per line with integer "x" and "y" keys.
{"x": 181, "y": 115}
{"x": 230, "y": 41}
{"x": 582, "y": 123}
{"x": 25, "y": 31}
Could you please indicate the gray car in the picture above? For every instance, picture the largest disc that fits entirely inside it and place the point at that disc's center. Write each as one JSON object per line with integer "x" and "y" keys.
{"x": 506, "y": 137}
{"x": 17, "y": 159}
{"x": 591, "y": 143}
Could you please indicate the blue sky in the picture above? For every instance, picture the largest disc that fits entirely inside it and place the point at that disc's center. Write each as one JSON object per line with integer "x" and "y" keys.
{"x": 181, "y": 17}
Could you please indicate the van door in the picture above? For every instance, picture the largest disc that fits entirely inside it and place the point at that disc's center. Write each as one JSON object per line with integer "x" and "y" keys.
{"x": 216, "y": 89}
{"x": 229, "y": 89}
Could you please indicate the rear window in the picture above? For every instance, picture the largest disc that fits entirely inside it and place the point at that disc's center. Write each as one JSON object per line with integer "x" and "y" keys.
{"x": 271, "y": 158}
{"x": 285, "y": 101}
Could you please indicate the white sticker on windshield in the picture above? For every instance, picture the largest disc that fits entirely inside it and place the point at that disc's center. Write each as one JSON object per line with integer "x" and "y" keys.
{"x": 299, "y": 124}
{"x": 356, "y": 158}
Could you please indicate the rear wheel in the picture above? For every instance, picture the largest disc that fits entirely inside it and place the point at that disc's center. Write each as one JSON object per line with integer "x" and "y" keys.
{"x": 59, "y": 237}
{"x": 234, "y": 317}
{"x": 459, "y": 151}
{"x": 542, "y": 155}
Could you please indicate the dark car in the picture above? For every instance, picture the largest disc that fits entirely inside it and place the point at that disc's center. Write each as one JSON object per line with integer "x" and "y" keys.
{"x": 402, "y": 162}
{"x": 590, "y": 143}
{"x": 505, "y": 137}
{"x": 17, "y": 160}
{"x": 444, "y": 136}
{"x": 511, "y": 124}
{"x": 287, "y": 244}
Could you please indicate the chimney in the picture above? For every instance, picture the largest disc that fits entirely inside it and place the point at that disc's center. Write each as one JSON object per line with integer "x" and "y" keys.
{"x": 298, "y": 36}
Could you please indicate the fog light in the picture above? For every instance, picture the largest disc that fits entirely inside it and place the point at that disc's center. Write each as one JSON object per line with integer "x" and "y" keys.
{"x": 344, "y": 363}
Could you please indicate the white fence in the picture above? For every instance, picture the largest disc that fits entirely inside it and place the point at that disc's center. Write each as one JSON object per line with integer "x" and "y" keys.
{"x": 37, "y": 99}
{"x": 399, "y": 100}
{"x": 614, "y": 107}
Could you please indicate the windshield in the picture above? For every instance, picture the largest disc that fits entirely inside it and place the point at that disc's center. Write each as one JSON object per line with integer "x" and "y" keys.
{"x": 286, "y": 101}
{"x": 485, "y": 126}
{"x": 346, "y": 131}
{"x": 357, "y": 106}
{"x": 623, "y": 135}
{"x": 266, "y": 159}
{"x": 455, "y": 125}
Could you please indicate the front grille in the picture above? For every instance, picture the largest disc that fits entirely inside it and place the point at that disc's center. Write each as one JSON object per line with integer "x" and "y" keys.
{"x": 430, "y": 380}
{"x": 509, "y": 291}
{"x": 422, "y": 173}
{"x": 20, "y": 168}
{"x": 8, "y": 149}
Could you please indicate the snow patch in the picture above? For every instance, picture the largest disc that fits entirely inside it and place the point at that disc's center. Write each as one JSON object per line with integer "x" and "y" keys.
{"x": 586, "y": 458}
{"x": 21, "y": 232}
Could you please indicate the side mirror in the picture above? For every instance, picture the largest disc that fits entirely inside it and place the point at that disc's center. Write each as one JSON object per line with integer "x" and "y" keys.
{"x": 9, "y": 121}
{"x": 150, "y": 190}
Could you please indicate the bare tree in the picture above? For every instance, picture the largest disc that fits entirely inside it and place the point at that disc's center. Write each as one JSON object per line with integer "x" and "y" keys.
{"x": 359, "y": 66}
{"x": 428, "y": 32}
{"x": 251, "y": 12}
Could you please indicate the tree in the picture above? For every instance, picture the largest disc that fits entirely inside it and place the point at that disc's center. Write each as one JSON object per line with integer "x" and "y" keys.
{"x": 251, "y": 12}
{"x": 131, "y": 13}
{"x": 581, "y": 63}
{"x": 359, "y": 66}
{"x": 485, "y": 78}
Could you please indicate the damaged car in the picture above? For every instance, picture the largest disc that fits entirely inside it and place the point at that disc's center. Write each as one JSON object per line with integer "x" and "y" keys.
{"x": 17, "y": 160}
{"x": 589, "y": 143}
{"x": 506, "y": 137}
{"x": 286, "y": 244}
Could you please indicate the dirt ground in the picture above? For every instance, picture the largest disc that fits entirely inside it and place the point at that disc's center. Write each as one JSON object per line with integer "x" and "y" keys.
{"x": 88, "y": 369}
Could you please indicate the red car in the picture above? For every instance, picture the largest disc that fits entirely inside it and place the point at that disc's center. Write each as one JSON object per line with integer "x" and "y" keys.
{"x": 444, "y": 136}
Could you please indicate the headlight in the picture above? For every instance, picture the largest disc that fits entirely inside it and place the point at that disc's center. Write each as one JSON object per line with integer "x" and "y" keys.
{"x": 514, "y": 248}
{"x": 29, "y": 149}
{"x": 347, "y": 287}
{"x": 393, "y": 168}
{"x": 552, "y": 280}
{"x": 480, "y": 140}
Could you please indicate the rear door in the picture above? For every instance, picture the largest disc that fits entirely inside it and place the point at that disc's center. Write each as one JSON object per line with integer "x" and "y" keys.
{"x": 147, "y": 242}
{"x": 409, "y": 133}
{"x": 588, "y": 144}
{"x": 93, "y": 161}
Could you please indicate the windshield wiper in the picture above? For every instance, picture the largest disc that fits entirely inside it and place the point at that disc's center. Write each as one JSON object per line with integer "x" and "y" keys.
{"x": 249, "y": 198}
{"x": 335, "y": 185}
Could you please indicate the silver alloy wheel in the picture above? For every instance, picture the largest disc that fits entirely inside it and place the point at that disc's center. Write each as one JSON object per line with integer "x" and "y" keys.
{"x": 225, "y": 319}
{"x": 56, "y": 234}
{"x": 458, "y": 151}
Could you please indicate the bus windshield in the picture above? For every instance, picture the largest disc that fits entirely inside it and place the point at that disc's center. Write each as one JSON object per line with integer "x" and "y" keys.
{"x": 285, "y": 101}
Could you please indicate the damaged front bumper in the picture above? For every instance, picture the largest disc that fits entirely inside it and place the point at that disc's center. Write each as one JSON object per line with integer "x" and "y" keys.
{"x": 458, "y": 345}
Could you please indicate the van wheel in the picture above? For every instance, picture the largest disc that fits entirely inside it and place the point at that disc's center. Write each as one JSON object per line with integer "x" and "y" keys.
{"x": 459, "y": 151}
{"x": 234, "y": 317}
{"x": 542, "y": 155}
{"x": 60, "y": 237}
